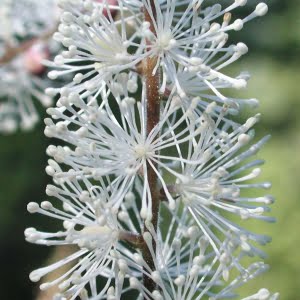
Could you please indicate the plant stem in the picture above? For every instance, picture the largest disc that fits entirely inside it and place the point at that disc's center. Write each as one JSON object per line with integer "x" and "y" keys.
{"x": 12, "y": 52}
{"x": 135, "y": 240}
{"x": 153, "y": 115}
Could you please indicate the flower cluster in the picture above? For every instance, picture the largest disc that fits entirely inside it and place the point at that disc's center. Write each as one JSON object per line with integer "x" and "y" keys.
{"x": 151, "y": 183}
{"x": 190, "y": 46}
{"x": 24, "y": 43}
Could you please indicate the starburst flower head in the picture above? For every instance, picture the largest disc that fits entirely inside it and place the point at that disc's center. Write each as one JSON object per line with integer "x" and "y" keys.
{"x": 108, "y": 145}
{"x": 91, "y": 225}
{"x": 24, "y": 46}
{"x": 185, "y": 265}
{"x": 96, "y": 41}
{"x": 102, "y": 144}
{"x": 211, "y": 181}
{"x": 195, "y": 45}
{"x": 17, "y": 106}
{"x": 189, "y": 46}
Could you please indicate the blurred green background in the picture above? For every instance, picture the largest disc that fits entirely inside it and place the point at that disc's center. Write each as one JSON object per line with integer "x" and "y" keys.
{"x": 274, "y": 63}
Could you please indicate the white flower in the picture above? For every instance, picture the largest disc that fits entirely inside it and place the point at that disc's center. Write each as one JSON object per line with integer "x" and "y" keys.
{"x": 91, "y": 224}
{"x": 23, "y": 18}
{"x": 150, "y": 174}
{"x": 21, "y": 55}
{"x": 195, "y": 45}
{"x": 186, "y": 267}
{"x": 104, "y": 143}
{"x": 116, "y": 150}
{"x": 98, "y": 46}
{"x": 188, "y": 44}
{"x": 212, "y": 177}
{"x": 19, "y": 85}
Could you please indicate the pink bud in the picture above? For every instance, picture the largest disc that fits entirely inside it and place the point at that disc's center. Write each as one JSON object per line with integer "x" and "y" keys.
{"x": 108, "y": 2}
{"x": 33, "y": 58}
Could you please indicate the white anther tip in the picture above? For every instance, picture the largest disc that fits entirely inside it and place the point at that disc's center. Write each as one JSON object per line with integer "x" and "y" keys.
{"x": 261, "y": 9}
{"x": 32, "y": 207}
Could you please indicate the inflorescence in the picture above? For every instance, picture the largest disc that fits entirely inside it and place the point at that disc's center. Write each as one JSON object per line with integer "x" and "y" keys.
{"x": 26, "y": 29}
{"x": 119, "y": 170}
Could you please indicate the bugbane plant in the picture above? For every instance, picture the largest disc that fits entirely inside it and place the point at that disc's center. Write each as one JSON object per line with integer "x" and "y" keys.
{"x": 26, "y": 27}
{"x": 151, "y": 183}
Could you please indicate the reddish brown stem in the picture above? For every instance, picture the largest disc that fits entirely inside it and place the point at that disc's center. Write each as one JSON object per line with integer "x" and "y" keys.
{"x": 12, "y": 52}
{"x": 153, "y": 110}
{"x": 135, "y": 240}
